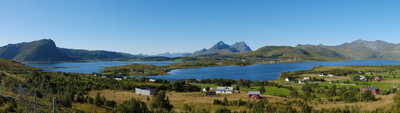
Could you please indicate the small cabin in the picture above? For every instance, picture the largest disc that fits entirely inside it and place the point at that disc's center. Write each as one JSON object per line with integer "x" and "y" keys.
{"x": 306, "y": 78}
{"x": 322, "y": 74}
{"x": 374, "y": 90}
{"x": 254, "y": 94}
{"x": 378, "y": 78}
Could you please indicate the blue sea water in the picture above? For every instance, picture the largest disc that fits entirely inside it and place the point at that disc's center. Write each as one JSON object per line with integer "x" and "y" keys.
{"x": 253, "y": 72}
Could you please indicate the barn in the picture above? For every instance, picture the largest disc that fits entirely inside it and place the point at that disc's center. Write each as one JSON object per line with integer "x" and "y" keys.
{"x": 374, "y": 90}
{"x": 145, "y": 91}
{"x": 254, "y": 94}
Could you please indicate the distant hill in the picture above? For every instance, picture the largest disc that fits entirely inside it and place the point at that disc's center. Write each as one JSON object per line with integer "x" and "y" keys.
{"x": 359, "y": 49}
{"x": 92, "y": 55}
{"x": 46, "y": 51}
{"x": 288, "y": 53}
{"x": 222, "y": 48}
{"x": 13, "y": 65}
{"x": 37, "y": 51}
{"x": 171, "y": 55}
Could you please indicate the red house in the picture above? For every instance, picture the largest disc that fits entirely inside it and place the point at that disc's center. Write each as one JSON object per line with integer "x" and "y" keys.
{"x": 374, "y": 90}
{"x": 378, "y": 78}
{"x": 254, "y": 94}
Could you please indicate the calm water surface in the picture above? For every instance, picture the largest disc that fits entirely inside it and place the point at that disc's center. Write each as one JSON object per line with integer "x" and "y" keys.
{"x": 253, "y": 72}
{"x": 261, "y": 71}
{"x": 90, "y": 67}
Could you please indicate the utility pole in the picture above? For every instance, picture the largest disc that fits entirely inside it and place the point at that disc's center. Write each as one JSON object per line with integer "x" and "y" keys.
{"x": 34, "y": 99}
{"x": 55, "y": 105}
{"x": 27, "y": 102}
{"x": 20, "y": 92}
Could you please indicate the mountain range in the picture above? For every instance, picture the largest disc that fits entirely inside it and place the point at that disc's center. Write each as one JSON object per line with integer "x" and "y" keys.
{"x": 222, "y": 48}
{"x": 46, "y": 51}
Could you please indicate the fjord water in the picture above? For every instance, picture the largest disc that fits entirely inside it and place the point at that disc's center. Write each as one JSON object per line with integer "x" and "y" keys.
{"x": 90, "y": 67}
{"x": 253, "y": 72}
{"x": 261, "y": 71}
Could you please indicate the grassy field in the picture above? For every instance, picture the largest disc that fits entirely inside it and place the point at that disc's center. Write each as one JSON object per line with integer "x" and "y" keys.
{"x": 196, "y": 100}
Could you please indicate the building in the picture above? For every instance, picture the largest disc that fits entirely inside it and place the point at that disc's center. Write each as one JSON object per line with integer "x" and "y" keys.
{"x": 362, "y": 77}
{"x": 322, "y": 74}
{"x": 289, "y": 79}
{"x": 330, "y": 75}
{"x": 145, "y": 91}
{"x": 378, "y": 78}
{"x": 306, "y": 78}
{"x": 254, "y": 94}
{"x": 374, "y": 90}
{"x": 152, "y": 79}
{"x": 225, "y": 90}
{"x": 119, "y": 78}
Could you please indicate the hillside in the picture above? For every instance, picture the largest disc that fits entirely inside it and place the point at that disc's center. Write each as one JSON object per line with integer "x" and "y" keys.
{"x": 287, "y": 53}
{"x": 46, "y": 51}
{"x": 359, "y": 49}
{"x": 92, "y": 55}
{"x": 13, "y": 65}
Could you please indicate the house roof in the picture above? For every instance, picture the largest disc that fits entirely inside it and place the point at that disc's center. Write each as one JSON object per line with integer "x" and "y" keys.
{"x": 371, "y": 88}
{"x": 253, "y": 92}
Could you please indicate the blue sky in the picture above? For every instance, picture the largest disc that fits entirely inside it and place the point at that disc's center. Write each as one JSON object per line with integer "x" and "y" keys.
{"x": 158, "y": 26}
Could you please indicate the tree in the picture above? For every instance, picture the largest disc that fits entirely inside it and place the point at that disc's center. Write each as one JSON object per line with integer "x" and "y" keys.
{"x": 132, "y": 106}
{"x": 258, "y": 107}
{"x": 306, "y": 109}
{"x": 367, "y": 96}
{"x": 161, "y": 101}
{"x": 262, "y": 89}
{"x": 294, "y": 94}
{"x": 349, "y": 96}
{"x": 237, "y": 87}
{"x": 396, "y": 101}
{"x": 331, "y": 92}
{"x": 97, "y": 100}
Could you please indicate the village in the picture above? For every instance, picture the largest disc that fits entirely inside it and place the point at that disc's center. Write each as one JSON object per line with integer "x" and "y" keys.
{"x": 197, "y": 94}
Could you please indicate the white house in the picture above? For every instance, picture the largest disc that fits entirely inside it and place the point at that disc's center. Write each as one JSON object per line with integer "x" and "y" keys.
{"x": 225, "y": 90}
{"x": 289, "y": 79}
{"x": 145, "y": 91}
{"x": 119, "y": 78}
{"x": 306, "y": 78}
{"x": 322, "y": 74}
{"x": 330, "y": 75}
{"x": 152, "y": 79}
{"x": 362, "y": 77}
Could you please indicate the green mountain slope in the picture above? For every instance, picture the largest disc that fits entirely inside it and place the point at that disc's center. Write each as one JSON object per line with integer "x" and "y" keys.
{"x": 92, "y": 55}
{"x": 37, "y": 51}
{"x": 46, "y": 51}
{"x": 13, "y": 65}
{"x": 286, "y": 53}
